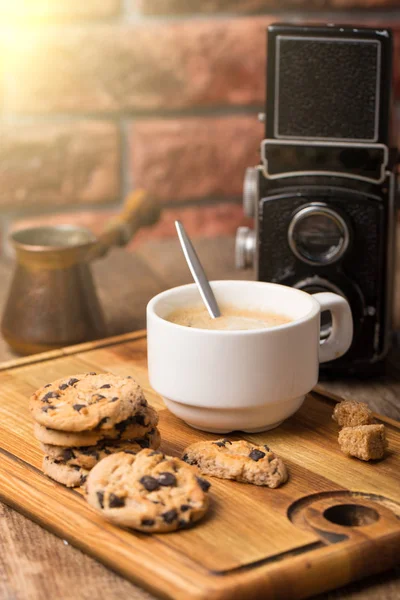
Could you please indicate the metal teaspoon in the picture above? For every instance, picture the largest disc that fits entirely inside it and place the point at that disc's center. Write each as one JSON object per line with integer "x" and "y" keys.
{"x": 197, "y": 272}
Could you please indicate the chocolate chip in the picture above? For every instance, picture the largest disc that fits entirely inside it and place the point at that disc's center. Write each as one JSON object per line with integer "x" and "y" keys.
{"x": 167, "y": 479}
{"x": 185, "y": 507}
{"x": 68, "y": 454}
{"x": 47, "y": 385}
{"x": 256, "y": 454}
{"x": 122, "y": 425}
{"x": 75, "y": 467}
{"x": 203, "y": 483}
{"x": 63, "y": 386}
{"x": 78, "y": 407}
{"x": 72, "y": 381}
{"x": 147, "y": 522}
{"x": 83, "y": 479}
{"x": 149, "y": 483}
{"x": 129, "y": 377}
{"x": 102, "y": 422}
{"x": 93, "y": 373}
{"x": 143, "y": 442}
{"x": 143, "y": 402}
{"x": 226, "y": 441}
{"x": 50, "y": 395}
{"x": 97, "y": 397}
{"x": 47, "y": 408}
{"x": 170, "y": 515}
{"x": 129, "y": 452}
{"x": 182, "y": 524}
{"x": 89, "y": 451}
{"x": 140, "y": 420}
{"x": 220, "y": 444}
{"x": 189, "y": 461}
{"x": 106, "y": 386}
{"x": 266, "y": 447}
{"x": 100, "y": 498}
{"x": 114, "y": 399}
{"x": 115, "y": 501}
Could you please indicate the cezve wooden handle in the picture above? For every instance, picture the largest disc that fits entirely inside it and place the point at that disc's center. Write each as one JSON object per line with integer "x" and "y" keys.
{"x": 139, "y": 210}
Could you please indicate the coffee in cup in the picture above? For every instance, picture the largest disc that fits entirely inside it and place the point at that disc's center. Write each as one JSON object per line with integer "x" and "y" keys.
{"x": 231, "y": 319}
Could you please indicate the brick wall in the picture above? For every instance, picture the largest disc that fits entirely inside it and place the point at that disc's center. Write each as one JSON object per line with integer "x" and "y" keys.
{"x": 99, "y": 96}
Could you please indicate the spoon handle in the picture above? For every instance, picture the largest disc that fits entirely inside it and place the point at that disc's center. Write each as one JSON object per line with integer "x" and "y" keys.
{"x": 198, "y": 272}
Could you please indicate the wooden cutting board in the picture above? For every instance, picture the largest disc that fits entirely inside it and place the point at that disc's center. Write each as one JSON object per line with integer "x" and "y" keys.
{"x": 336, "y": 520}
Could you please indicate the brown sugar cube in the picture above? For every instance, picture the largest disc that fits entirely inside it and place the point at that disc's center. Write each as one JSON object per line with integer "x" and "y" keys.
{"x": 366, "y": 442}
{"x": 350, "y": 413}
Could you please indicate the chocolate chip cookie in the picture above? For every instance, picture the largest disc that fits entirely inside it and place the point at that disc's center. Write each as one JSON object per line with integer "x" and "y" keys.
{"x": 88, "y": 456}
{"x": 133, "y": 427}
{"x": 87, "y": 401}
{"x": 70, "y": 476}
{"x": 240, "y": 461}
{"x": 148, "y": 491}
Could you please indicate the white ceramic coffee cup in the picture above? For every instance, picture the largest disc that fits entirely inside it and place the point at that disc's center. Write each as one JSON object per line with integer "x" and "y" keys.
{"x": 250, "y": 380}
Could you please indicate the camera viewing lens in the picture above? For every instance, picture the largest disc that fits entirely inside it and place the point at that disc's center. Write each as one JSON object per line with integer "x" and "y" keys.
{"x": 318, "y": 235}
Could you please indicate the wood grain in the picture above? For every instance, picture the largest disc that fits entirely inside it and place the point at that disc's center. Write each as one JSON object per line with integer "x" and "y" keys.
{"x": 125, "y": 282}
{"x": 260, "y": 551}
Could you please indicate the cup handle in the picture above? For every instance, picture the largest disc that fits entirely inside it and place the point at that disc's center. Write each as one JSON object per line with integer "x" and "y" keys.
{"x": 341, "y": 335}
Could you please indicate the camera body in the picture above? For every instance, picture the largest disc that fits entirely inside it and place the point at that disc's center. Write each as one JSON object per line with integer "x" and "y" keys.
{"x": 324, "y": 196}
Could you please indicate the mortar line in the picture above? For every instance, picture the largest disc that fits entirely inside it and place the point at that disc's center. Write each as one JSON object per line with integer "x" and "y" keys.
{"x": 127, "y": 180}
{"x": 290, "y": 14}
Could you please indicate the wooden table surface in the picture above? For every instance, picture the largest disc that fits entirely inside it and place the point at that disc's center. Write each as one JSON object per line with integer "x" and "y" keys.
{"x": 35, "y": 564}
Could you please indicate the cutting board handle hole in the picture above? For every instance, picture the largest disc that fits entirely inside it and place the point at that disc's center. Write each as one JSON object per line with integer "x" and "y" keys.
{"x": 351, "y": 515}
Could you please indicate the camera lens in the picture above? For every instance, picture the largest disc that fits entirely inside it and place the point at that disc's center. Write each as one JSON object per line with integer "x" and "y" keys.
{"x": 318, "y": 235}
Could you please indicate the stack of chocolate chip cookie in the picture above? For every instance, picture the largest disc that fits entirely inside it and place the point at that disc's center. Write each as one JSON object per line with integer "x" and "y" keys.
{"x": 79, "y": 420}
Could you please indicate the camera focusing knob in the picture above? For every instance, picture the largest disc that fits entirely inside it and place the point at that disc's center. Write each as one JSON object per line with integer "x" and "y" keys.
{"x": 245, "y": 248}
{"x": 250, "y": 192}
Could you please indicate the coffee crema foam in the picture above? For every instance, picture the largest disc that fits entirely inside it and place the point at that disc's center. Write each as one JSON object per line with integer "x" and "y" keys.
{"x": 231, "y": 319}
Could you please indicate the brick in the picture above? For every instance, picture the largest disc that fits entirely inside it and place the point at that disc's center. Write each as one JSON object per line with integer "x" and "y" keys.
{"x": 191, "y": 158}
{"x": 57, "y": 10}
{"x": 199, "y": 221}
{"x": 144, "y": 67}
{"x": 361, "y": 4}
{"x": 58, "y": 164}
{"x": 158, "y": 7}
{"x": 396, "y": 61}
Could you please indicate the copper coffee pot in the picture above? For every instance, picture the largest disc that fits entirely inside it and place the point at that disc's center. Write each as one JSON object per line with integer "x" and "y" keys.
{"x": 52, "y": 300}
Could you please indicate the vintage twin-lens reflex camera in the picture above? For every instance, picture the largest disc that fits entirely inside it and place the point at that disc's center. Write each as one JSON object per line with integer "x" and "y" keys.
{"x": 323, "y": 197}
